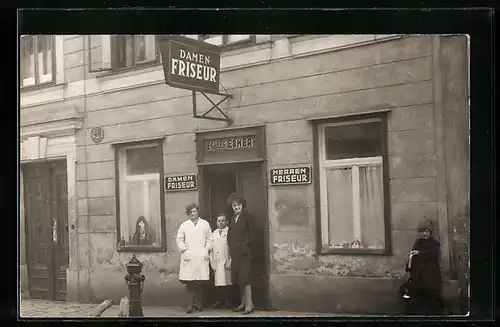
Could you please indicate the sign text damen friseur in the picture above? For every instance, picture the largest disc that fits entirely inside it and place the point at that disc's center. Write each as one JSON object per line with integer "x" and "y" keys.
{"x": 190, "y": 64}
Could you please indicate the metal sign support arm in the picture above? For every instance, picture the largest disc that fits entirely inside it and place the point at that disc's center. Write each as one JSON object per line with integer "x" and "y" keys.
{"x": 214, "y": 106}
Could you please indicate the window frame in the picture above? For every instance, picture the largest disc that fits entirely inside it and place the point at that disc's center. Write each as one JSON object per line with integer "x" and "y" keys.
{"x": 135, "y": 65}
{"x": 319, "y": 164}
{"x": 37, "y": 84}
{"x": 225, "y": 46}
{"x": 140, "y": 248}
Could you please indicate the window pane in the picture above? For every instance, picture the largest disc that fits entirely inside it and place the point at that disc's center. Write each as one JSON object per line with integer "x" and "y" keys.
{"x": 140, "y": 196}
{"x": 358, "y": 140}
{"x": 340, "y": 207}
{"x": 372, "y": 207}
{"x": 140, "y": 48}
{"x": 140, "y": 213}
{"x": 27, "y": 58}
{"x": 144, "y": 160}
{"x": 44, "y": 57}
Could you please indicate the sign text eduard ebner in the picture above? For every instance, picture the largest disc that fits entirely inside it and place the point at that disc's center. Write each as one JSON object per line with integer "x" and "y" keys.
{"x": 190, "y": 64}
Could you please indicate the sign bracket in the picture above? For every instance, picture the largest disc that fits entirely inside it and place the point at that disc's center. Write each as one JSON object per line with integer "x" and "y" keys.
{"x": 214, "y": 106}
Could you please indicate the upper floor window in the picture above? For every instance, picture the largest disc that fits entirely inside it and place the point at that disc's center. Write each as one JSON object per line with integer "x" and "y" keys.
{"x": 133, "y": 50}
{"x": 352, "y": 171}
{"x": 37, "y": 59}
{"x": 226, "y": 41}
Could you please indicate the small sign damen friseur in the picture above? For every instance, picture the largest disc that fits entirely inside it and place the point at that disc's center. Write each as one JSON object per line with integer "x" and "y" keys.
{"x": 290, "y": 176}
{"x": 180, "y": 183}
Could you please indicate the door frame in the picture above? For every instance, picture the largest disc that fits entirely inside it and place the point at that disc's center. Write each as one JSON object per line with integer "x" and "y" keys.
{"x": 261, "y": 158}
{"x": 23, "y": 203}
{"x": 204, "y": 206}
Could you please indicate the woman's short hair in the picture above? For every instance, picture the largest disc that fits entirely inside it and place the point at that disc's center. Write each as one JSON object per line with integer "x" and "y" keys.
{"x": 190, "y": 207}
{"x": 236, "y": 198}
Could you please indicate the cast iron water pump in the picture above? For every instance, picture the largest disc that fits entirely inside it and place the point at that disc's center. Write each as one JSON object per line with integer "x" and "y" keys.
{"x": 135, "y": 283}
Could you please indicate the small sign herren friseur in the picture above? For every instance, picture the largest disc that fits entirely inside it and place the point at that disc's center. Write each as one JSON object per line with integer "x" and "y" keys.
{"x": 290, "y": 176}
{"x": 180, "y": 183}
{"x": 190, "y": 64}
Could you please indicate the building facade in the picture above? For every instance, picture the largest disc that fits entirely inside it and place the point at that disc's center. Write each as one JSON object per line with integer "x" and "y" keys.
{"x": 341, "y": 144}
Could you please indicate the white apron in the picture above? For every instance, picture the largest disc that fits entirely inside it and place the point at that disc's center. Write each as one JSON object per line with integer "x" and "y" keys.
{"x": 195, "y": 242}
{"x": 218, "y": 257}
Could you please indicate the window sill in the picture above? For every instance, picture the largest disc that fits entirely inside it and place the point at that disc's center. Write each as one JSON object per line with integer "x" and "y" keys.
{"x": 39, "y": 86}
{"x": 238, "y": 44}
{"x": 349, "y": 251}
{"x": 145, "y": 249}
{"x": 125, "y": 71}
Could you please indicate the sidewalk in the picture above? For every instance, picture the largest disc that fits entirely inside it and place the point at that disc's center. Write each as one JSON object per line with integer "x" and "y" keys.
{"x": 45, "y": 309}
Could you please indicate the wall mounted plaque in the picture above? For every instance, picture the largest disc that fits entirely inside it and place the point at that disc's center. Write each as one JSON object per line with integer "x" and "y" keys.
{"x": 181, "y": 183}
{"x": 97, "y": 134}
{"x": 290, "y": 176}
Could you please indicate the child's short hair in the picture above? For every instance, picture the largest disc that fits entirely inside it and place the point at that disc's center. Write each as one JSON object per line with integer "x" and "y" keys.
{"x": 222, "y": 215}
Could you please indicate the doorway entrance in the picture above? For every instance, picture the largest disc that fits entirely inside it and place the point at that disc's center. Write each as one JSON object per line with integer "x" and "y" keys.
{"x": 248, "y": 180}
{"x": 46, "y": 216}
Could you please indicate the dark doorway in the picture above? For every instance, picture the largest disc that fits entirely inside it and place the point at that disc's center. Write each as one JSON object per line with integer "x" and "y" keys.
{"x": 248, "y": 179}
{"x": 46, "y": 215}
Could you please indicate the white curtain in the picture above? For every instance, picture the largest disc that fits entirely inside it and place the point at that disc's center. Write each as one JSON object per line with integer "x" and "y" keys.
{"x": 340, "y": 205}
{"x": 372, "y": 206}
{"x": 154, "y": 215}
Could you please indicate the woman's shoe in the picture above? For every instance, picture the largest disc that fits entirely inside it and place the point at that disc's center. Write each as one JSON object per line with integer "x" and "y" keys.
{"x": 241, "y": 307}
{"x": 247, "y": 311}
{"x": 198, "y": 307}
{"x": 217, "y": 305}
{"x": 190, "y": 309}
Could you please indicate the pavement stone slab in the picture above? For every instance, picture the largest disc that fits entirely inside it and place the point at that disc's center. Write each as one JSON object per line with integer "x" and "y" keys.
{"x": 30, "y": 308}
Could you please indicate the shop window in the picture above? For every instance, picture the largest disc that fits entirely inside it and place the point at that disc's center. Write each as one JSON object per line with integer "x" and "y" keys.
{"x": 353, "y": 186}
{"x": 140, "y": 204}
{"x": 37, "y": 60}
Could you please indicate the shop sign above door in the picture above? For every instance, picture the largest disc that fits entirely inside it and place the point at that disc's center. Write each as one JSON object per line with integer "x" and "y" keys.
{"x": 290, "y": 176}
{"x": 190, "y": 64}
{"x": 181, "y": 183}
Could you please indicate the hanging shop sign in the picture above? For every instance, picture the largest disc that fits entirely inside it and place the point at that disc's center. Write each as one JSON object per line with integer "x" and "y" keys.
{"x": 190, "y": 64}
{"x": 290, "y": 176}
{"x": 181, "y": 183}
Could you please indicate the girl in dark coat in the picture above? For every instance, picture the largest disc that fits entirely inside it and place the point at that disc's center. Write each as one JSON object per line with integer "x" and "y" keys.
{"x": 240, "y": 240}
{"x": 425, "y": 273}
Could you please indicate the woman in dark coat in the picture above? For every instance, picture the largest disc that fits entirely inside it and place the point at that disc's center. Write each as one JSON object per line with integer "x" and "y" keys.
{"x": 425, "y": 273}
{"x": 144, "y": 235}
{"x": 240, "y": 239}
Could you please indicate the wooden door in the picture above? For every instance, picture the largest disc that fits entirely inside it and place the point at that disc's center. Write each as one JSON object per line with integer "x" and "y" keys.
{"x": 46, "y": 229}
{"x": 251, "y": 185}
{"x": 60, "y": 241}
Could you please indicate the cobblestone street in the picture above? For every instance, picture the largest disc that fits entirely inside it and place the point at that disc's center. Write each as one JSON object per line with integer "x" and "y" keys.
{"x": 46, "y": 309}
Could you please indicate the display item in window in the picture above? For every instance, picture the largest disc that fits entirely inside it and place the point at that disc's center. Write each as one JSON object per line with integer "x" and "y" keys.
{"x": 144, "y": 234}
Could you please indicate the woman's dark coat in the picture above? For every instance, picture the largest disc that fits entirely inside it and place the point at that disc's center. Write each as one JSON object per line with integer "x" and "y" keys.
{"x": 240, "y": 239}
{"x": 426, "y": 275}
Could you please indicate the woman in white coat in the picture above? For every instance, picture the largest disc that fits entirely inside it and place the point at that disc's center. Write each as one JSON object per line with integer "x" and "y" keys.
{"x": 221, "y": 263}
{"x": 194, "y": 240}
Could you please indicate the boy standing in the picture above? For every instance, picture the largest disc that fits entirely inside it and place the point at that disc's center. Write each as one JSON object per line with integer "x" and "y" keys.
{"x": 221, "y": 263}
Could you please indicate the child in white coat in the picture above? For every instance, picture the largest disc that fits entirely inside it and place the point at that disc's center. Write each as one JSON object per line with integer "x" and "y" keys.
{"x": 221, "y": 263}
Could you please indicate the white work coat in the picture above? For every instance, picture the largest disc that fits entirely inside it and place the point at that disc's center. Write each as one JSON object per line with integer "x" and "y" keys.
{"x": 194, "y": 242}
{"x": 218, "y": 257}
